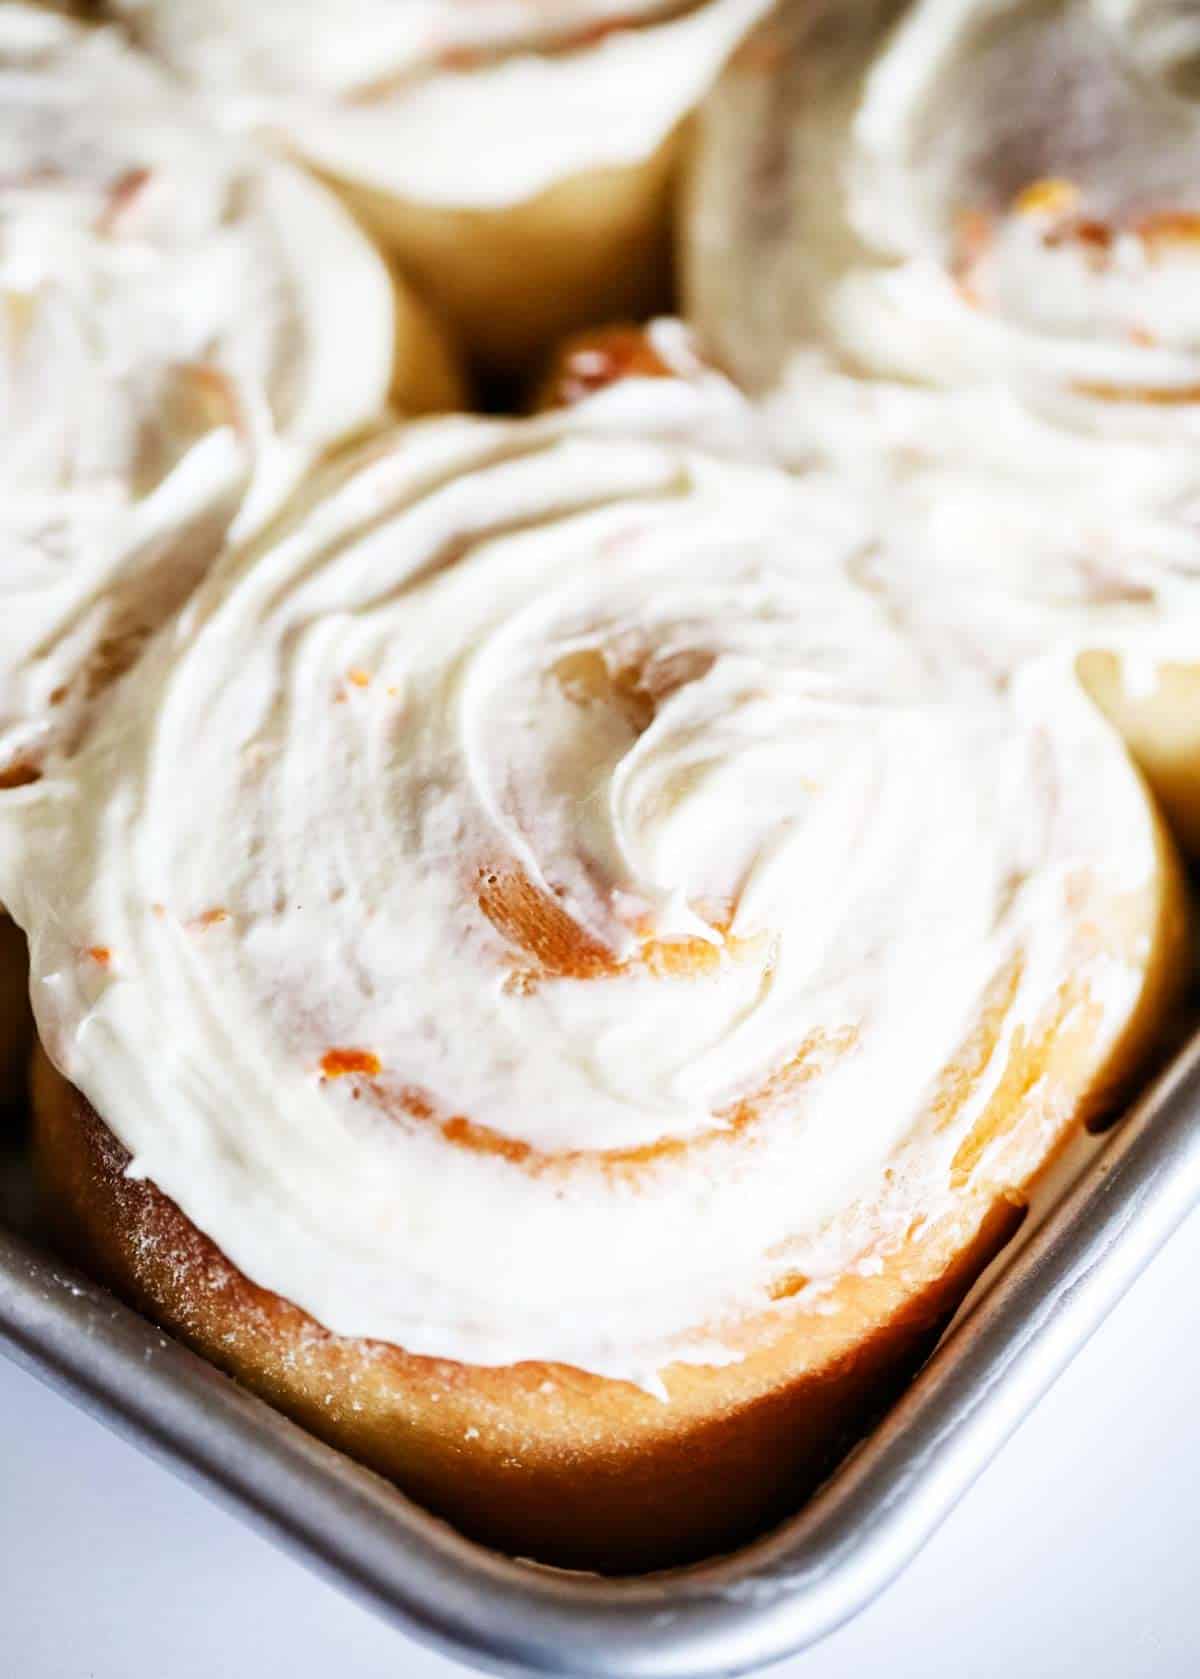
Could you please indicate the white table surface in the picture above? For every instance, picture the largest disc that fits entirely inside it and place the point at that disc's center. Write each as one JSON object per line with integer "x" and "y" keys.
{"x": 1077, "y": 1553}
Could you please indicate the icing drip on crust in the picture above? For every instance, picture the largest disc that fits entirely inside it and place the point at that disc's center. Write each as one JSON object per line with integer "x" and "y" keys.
{"x": 517, "y": 886}
{"x": 172, "y": 358}
{"x": 456, "y": 103}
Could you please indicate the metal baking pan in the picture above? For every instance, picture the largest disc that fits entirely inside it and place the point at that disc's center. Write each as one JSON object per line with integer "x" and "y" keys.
{"x": 724, "y": 1617}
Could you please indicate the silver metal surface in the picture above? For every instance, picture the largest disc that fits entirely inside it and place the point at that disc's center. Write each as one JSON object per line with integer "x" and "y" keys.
{"x": 720, "y": 1618}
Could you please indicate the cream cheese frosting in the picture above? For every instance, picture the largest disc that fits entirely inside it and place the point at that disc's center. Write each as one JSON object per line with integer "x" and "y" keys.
{"x": 1001, "y": 194}
{"x": 963, "y": 268}
{"x": 494, "y": 913}
{"x": 174, "y": 354}
{"x": 452, "y": 103}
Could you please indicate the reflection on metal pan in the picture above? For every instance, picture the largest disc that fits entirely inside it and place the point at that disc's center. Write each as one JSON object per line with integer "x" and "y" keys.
{"x": 724, "y": 1617}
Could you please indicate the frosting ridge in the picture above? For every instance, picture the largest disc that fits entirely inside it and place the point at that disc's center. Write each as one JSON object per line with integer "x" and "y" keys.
{"x": 171, "y": 356}
{"x": 1013, "y": 204}
{"x": 556, "y": 787}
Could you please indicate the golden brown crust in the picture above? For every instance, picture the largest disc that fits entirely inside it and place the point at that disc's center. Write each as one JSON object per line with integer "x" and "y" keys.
{"x": 512, "y": 282}
{"x": 571, "y": 1468}
{"x": 427, "y": 377}
{"x": 536, "y": 1459}
{"x": 1161, "y": 729}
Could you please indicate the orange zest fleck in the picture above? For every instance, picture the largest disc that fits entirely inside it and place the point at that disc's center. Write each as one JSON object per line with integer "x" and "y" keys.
{"x": 1162, "y": 396}
{"x": 1098, "y": 235}
{"x": 600, "y": 357}
{"x": 1051, "y": 196}
{"x": 1170, "y": 227}
{"x": 481, "y": 1139}
{"x": 733, "y": 1123}
{"x": 19, "y": 775}
{"x": 359, "y": 677}
{"x": 460, "y": 58}
{"x": 124, "y": 192}
{"x": 211, "y": 918}
{"x": 788, "y": 1285}
{"x": 973, "y": 235}
{"x": 338, "y": 1063}
{"x": 215, "y": 394}
{"x": 593, "y": 33}
{"x": 101, "y": 955}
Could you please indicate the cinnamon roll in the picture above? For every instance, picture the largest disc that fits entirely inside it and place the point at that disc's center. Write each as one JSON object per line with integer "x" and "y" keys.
{"x": 185, "y": 326}
{"x": 517, "y": 158}
{"x": 955, "y": 193}
{"x": 961, "y": 258}
{"x": 559, "y": 983}
{"x": 1018, "y": 537}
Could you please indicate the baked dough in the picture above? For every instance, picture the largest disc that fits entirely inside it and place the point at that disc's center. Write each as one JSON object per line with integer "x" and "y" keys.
{"x": 518, "y": 160}
{"x": 185, "y": 326}
{"x": 956, "y": 248}
{"x": 612, "y": 952}
{"x": 962, "y": 195}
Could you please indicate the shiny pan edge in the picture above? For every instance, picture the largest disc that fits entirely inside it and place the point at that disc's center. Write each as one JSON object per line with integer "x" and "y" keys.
{"x": 713, "y": 1620}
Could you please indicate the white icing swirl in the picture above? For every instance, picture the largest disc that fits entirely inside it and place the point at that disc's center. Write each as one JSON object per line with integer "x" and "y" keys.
{"x": 963, "y": 265}
{"x": 455, "y": 103}
{"x": 1003, "y": 193}
{"x": 534, "y": 906}
{"x": 174, "y": 353}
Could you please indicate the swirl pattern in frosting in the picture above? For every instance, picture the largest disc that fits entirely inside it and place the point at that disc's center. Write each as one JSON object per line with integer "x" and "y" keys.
{"x": 1015, "y": 202}
{"x": 173, "y": 355}
{"x": 960, "y": 255}
{"x": 552, "y": 902}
